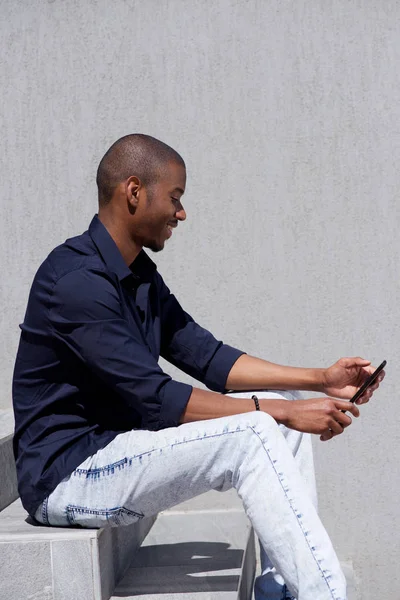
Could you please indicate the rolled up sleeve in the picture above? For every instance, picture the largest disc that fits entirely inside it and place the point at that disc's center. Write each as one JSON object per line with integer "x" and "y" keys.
{"x": 87, "y": 319}
{"x": 220, "y": 366}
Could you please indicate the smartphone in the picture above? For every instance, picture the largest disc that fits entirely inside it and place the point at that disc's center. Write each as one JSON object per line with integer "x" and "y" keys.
{"x": 368, "y": 382}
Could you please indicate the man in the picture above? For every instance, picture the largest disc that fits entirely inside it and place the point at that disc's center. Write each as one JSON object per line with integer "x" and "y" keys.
{"x": 104, "y": 436}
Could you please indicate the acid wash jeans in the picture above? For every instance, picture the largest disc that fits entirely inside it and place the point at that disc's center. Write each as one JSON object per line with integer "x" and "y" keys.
{"x": 141, "y": 473}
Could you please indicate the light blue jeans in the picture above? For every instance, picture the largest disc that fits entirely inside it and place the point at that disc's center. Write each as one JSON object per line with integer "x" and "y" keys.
{"x": 141, "y": 473}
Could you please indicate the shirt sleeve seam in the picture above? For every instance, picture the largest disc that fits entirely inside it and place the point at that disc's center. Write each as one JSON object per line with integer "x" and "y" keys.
{"x": 55, "y": 283}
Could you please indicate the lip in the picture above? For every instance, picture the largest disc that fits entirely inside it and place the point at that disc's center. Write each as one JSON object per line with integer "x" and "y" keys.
{"x": 170, "y": 227}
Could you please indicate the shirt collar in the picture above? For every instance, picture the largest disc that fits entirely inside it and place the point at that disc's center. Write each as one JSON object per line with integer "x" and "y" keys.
{"x": 142, "y": 267}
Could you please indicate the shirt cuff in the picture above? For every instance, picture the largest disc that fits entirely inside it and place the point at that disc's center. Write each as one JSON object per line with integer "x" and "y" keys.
{"x": 220, "y": 366}
{"x": 174, "y": 397}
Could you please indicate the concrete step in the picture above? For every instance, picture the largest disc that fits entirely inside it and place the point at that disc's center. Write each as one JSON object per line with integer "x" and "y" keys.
{"x": 55, "y": 563}
{"x": 193, "y": 554}
{"x": 352, "y": 590}
{"x": 8, "y": 486}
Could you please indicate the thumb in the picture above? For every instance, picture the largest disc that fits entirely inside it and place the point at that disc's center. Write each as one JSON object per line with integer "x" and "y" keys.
{"x": 355, "y": 361}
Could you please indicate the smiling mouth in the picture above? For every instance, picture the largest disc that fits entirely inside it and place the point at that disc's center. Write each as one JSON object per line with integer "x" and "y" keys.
{"x": 170, "y": 228}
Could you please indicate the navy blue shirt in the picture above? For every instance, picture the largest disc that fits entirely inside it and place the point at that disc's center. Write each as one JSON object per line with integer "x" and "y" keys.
{"x": 87, "y": 363}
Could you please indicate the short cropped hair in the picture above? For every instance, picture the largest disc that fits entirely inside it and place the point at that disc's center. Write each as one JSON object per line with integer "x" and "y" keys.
{"x": 134, "y": 154}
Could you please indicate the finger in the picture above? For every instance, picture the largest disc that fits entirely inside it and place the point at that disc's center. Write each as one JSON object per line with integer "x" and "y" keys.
{"x": 362, "y": 400}
{"x": 327, "y": 435}
{"x": 371, "y": 369}
{"x": 365, "y": 397}
{"x": 370, "y": 390}
{"x": 347, "y": 406}
{"x": 335, "y": 427}
{"x": 361, "y": 362}
{"x": 355, "y": 361}
{"x": 343, "y": 419}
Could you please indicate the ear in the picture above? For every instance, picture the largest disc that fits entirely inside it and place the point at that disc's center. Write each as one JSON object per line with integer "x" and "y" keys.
{"x": 133, "y": 186}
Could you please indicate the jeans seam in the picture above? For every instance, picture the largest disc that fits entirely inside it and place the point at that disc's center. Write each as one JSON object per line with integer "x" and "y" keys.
{"x": 85, "y": 510}
{"x": 273, "y": 463}
{"x": 127, "y": 460}
{"x": 106, "y": 469}
{"x": 206, "y": 437}
{"x": 45, "y": 513}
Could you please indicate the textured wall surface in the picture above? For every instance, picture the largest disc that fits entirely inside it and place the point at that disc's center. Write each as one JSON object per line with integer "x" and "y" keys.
{"x": 288, "y": 116}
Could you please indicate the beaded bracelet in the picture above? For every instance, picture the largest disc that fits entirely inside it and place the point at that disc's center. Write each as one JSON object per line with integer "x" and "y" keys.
{"x": 254, "y": 397}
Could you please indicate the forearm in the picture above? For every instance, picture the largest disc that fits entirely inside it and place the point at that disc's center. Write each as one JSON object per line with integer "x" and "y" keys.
{"x": 205, "y": 405}
{"x": 324, "y": 416}
{"x": 250, "y": 373}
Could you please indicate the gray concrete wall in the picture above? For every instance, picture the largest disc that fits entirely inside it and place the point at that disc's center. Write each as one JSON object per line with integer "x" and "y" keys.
{"x": 287, "y": 114}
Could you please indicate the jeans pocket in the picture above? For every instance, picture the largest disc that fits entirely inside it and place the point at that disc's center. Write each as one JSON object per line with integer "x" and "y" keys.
{"x": 101, "y": 517}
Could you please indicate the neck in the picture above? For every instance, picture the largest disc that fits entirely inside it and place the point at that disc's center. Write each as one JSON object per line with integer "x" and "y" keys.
{"x": 129, "y": 248}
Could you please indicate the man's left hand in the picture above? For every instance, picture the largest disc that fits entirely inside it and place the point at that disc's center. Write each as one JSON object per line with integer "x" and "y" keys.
{"x": 346, "y": 376}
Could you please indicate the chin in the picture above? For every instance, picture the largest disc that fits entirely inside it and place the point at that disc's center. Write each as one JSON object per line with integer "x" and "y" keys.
{"x": 155, "y": 247}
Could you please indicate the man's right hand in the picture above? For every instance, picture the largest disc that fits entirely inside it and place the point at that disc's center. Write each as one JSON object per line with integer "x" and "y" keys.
{"x": 322, "y": 416}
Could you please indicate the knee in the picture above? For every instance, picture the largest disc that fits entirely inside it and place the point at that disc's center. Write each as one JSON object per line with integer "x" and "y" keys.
{"x": 262, "y": 421}
{"x": 254, "y": 425}
{"x": 260, "y": 433}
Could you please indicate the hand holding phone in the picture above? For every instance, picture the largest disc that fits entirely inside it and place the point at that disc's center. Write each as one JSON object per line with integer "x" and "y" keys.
{"x": 369, "y": 381}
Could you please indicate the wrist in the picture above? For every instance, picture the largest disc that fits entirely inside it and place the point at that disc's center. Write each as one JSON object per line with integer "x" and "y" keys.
{"x": 278, "y": 409}
{"x": 319, "y": 380}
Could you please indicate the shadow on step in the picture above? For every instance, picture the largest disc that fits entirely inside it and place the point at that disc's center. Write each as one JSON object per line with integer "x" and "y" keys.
{"x": 183, "y": 567}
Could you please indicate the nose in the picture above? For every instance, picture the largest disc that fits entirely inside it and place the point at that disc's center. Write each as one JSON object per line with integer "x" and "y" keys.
{"x": 180, "y": 213}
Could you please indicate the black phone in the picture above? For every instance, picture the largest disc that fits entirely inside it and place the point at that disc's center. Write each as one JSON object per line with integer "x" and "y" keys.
{"x": 368, "y": 382}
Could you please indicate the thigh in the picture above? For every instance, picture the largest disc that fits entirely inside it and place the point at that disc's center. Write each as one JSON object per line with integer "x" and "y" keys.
{"x": 141, "y": 472}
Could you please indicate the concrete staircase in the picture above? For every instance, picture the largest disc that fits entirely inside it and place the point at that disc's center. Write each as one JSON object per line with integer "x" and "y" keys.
{"x": 200, "y": 549}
